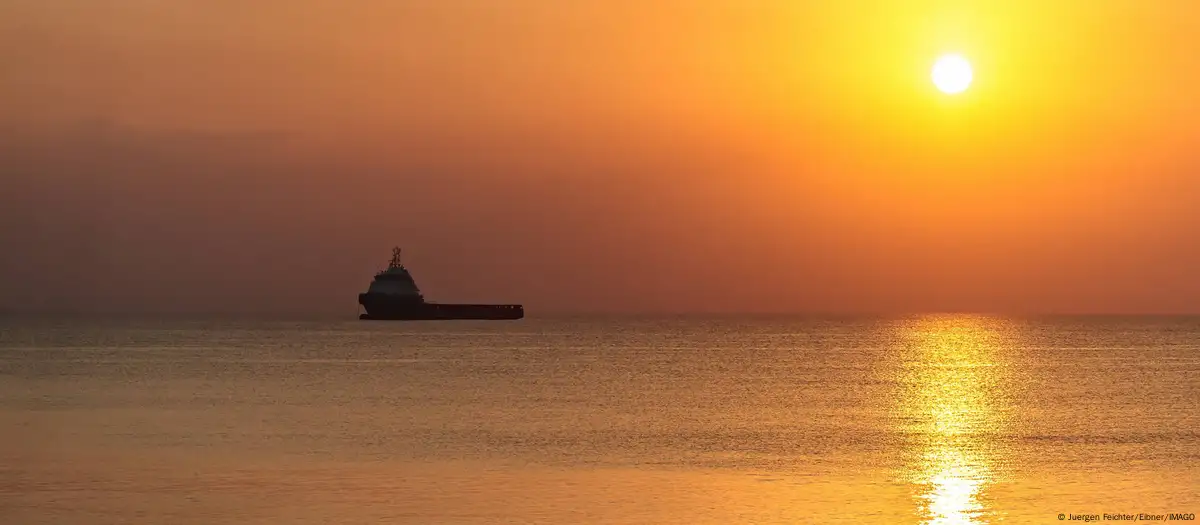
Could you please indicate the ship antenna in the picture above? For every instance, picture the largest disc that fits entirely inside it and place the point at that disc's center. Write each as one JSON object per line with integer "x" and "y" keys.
{"x": 395, "y": 258}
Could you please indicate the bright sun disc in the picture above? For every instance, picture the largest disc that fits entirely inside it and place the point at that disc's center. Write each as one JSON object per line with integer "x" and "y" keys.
{"x": 952, "y": 74}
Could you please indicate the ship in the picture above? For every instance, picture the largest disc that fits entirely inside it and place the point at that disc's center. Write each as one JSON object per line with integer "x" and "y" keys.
{"x": 394, "y": 296}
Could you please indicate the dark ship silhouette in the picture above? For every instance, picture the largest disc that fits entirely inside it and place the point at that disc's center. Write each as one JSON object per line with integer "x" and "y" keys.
{"x": 394, "y": 296}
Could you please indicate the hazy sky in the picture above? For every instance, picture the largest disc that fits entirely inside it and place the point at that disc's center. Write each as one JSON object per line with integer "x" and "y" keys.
{"x": 600, "y": 155}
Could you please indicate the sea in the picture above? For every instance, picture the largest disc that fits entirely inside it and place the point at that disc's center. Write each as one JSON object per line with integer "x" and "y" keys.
{"x": 936, "y": 419}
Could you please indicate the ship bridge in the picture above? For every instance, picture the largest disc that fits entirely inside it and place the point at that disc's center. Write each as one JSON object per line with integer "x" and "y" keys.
{"x": 396, "y": 281}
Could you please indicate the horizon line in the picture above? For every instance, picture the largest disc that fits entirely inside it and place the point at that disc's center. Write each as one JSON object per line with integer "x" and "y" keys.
{"x": 569, "y": 314}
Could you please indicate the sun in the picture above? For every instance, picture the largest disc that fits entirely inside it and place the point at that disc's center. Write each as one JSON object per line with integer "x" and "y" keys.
{"x": 952, "y": 74}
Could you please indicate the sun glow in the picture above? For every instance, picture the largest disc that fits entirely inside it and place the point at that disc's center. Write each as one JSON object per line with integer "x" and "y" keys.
{"x": 952, "y": 74}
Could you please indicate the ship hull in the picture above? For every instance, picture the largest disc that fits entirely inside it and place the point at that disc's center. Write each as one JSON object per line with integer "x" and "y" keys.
{"x": 384, "y": 308}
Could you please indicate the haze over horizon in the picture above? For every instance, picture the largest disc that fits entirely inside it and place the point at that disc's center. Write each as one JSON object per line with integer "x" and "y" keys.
{"x": 596, "y": 156}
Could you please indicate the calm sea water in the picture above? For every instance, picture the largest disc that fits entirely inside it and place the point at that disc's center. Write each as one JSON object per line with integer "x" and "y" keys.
{"x": 939, "y": 419}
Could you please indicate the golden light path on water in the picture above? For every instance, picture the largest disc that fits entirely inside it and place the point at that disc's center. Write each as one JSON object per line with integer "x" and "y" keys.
{"x": 953, "y": 376}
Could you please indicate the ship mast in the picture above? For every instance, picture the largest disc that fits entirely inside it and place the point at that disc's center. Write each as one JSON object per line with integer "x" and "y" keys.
{"x": 395, "y": 258}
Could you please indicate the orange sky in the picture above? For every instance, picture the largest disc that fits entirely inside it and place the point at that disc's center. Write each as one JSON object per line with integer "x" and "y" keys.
{"x": 668, "y": 156}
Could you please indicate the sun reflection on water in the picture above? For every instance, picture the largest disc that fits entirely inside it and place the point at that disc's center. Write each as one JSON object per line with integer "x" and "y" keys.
{"x": 952, "y": 375}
